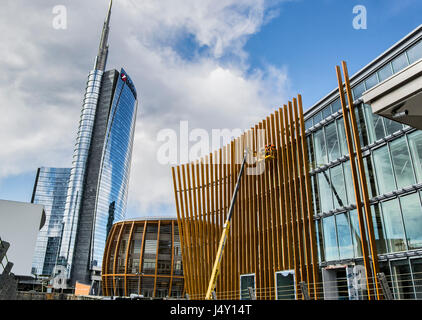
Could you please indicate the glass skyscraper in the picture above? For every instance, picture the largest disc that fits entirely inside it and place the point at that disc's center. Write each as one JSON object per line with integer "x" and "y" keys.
{"x": 98, "y": 180}
{"x": 50, "y": 190}
{"x": 113, "y": 179}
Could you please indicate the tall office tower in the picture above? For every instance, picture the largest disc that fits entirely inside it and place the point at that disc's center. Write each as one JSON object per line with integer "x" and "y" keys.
{"x": 99, "y": 177}
{"x": 50, "y": 190}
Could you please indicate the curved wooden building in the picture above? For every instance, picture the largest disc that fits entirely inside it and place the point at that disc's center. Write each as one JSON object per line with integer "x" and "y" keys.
{"x": 143, "y": 257}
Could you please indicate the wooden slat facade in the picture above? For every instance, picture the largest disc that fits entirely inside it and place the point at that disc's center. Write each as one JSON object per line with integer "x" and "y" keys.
{"x": 272, "y": 227}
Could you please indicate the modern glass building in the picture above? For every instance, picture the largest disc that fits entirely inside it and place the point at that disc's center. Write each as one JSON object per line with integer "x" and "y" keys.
{"x": 50, "y": 190}
{"x": 143, "y": 256}
{"x": 98, "y": 179}
{"x": 392, "y": 154}
{"x": 297, "y": 222}
{"x": 114, "y": 172}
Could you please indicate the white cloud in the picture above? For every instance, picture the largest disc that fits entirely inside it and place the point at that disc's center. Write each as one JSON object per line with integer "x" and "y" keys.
{"x": 216, "y": 24}
{"x": 44, "y": 73}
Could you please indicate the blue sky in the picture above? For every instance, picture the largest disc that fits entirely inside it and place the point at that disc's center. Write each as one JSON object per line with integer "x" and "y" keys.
{"x": 311, "y": 37}
{"x": 18, "y": 187}
{"x": 305, "y": 38}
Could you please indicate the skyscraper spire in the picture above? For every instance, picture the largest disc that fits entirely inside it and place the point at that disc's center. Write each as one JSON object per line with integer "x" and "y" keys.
{"x": 101, "y": 59}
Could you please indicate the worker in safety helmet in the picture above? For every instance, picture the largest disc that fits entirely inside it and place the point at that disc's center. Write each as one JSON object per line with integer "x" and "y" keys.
{"x": 269, "y": 148}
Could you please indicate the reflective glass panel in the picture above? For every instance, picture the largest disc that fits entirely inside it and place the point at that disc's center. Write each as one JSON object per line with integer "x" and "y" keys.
{"x": 415, "y": 144}
{"x": 361, "y": 124}
{"x": 349, "y": 183}
{"x": 308, "y": 124}
{"x": 135, "y": 249}
{"x": 326, "y": 111}
{"x": 344, "y": 236}
{"x": 412, "y": 216}
{"x": 317, "y": 118}
{"x": 392, "y": 126}
{"x": 385, "y": 72}
{"x": 177, "y": 254}
{"x": 333, "y": 147}
{"x": 393, "y": 225}
{"x": 336, "y": 105}
{"x": 384, "y": 171}
{"x": 402, "y": 163}
{"x": 378, "y": 229}
{"x": 352, "y": 192}
{"x": 330, "y": 239}
{"x": 375, "y": 125}
{"x": 415, "y": 53}
{"x": 164, "y": 249}
{"x": 371, "y": 81}
{"x": 399, "y": 63}
{"x": 150, "y": 249}
{"x": 370, "y": 177}
{"x": 320, "y": 148}
{"x": 325, "y": 190}
{"x": 50, "y": 191}
{"x": 342, "y": 137}
{"x": 315, "y": 194}
{"x": 319, "y": 240}
{"x": 338, "y": 187}
{"x": 311, "y": 152}
{"x": 357, "y": 244}
{"x": 358, "y": 90}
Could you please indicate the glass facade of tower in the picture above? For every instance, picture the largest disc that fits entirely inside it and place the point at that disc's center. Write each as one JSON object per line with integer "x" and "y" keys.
{"x": 97, "y": 183}
{"x": 115, "y": 167}
{"x": 50, "y": 190}
{"x": 97, "y": 195}
{"x": 392, "y": 155}
{"x": 77, "y": 174}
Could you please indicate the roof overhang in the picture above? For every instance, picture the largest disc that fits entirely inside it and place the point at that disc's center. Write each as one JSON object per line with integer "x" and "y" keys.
{"x": 399, "y": 97}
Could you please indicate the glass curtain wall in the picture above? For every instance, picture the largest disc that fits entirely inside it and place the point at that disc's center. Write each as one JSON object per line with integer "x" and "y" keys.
{"x": 344, "y": 236}
{"x": 412, "y": 217}
{"x": 415, "y": 144}
{"x": 50, "y": 190}
{"x": 392, "y": 155}
{"x": 402, "y": 163}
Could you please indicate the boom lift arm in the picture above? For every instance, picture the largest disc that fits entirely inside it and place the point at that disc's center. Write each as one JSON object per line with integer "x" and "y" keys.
{"x": 226, "y": 229}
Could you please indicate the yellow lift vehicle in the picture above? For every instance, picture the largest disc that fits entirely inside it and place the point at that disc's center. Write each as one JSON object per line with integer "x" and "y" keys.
{"x": 267, "y": 153}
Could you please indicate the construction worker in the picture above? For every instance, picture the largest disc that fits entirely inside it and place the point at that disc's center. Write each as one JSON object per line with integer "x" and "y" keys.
{"x": 269, "y": 150}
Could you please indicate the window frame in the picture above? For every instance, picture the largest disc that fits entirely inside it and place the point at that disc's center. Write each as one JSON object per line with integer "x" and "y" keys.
{"x": 289, "y": 272}
{"x": 240, "y": 284}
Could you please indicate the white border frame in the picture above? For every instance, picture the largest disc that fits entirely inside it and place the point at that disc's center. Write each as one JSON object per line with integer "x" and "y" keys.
{"x": 291, "y": 271}
{"x": 240, "y": 282}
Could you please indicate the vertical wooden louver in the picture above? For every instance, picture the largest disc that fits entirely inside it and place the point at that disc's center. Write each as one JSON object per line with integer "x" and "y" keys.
{"x": 272, "y": 227}
{"x": 358, "y": 174}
